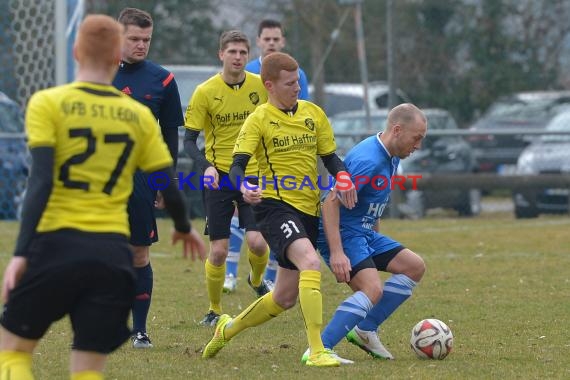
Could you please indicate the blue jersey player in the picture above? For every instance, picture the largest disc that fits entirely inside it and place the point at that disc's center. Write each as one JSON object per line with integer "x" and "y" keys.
{"x": 156, "y": 88}
{"x": 355, "y": 251}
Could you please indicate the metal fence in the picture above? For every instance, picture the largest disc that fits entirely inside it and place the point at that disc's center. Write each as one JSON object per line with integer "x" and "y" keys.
{"x": 480, "y": 181}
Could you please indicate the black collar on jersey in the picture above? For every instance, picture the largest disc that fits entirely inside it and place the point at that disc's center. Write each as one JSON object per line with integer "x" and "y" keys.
{"x": 98, "y": 92}
{"x": 131, "y": 66}
{"x": 290, "y": 111}
{"x": 236, "y": 86}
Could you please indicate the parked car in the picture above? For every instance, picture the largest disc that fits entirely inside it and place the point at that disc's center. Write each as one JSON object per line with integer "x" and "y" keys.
{"x": 550, "y": 154}
{"x": 523, "y": 110}
{"x": 343, "y": 97}
{"x": 188, "y": 77}
{"x": 13, "y": 158}
{"x": 439, "y": 154}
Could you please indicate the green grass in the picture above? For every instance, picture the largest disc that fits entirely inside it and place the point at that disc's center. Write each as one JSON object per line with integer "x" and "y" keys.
{"x": 502, "y": 285}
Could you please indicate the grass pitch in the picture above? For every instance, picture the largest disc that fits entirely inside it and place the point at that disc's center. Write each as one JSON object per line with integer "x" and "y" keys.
{"x": 502, "y": 285}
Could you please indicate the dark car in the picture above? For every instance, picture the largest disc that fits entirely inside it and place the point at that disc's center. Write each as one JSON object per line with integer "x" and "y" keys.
{"x": 13, "y": 158}
{"x": 524, "y": 110}
{"x": 439, "y": 154}
{"x": 550, "y": 154}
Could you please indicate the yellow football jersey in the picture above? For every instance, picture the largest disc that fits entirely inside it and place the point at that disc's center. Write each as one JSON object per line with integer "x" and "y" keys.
{"x": 220, "y": 111}
{"x": 286, "y": 145}
{"x": 100, "y": 137}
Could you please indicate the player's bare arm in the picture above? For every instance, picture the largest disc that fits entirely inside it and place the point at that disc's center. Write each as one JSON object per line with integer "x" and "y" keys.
{"x": 340, "y": 264}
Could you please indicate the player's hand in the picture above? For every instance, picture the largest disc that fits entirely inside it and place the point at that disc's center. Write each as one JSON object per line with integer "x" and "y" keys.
{"x": 211, "y": 174}
{"x": 346, "y": 191}
{"x": 252, "y": 194}
{"x": 159, "y": 201}
{"x": 340, "y": 266}
{"x": 14, "y": 271}
{"x": 192, "y": 244}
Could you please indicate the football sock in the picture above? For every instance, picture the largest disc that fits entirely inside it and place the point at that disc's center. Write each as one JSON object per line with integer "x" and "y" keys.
{"x": 258, "y": 264}
{"x": 397, "y": 289}
{"x": 15, "y": 365}
{"x": 260, "y": 311}
{"x": 215, "y": 283}
{"x": 311, "y": 302}
{"x": 271, "y": 270}
{"x": 87, "y": 375}
{"x": 141, "y": 305}
{"x": 236, "y": 241}
{"x": 351, "y": 311}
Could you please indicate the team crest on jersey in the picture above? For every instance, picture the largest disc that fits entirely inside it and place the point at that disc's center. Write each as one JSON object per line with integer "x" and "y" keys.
{"x": 254, "y": 97}
{"x": 309, "y": 123}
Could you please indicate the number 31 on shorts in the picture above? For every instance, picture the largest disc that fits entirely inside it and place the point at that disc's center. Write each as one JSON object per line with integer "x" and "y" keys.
{"x": 286, "y": 228}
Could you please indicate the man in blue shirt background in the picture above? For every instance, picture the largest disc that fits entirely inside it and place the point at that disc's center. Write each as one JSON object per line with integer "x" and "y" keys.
{"x": 156, "y": 88}
{"x": 270, "y": 38}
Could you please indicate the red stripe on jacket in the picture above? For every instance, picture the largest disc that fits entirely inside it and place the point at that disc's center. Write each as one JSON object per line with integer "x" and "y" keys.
{"x": 168, "y": 79}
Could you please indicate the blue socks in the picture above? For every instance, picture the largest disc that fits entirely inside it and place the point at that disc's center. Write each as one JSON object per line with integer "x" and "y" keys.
{"x": 234, "y": 249}
{"x": 351, "y": 311}
{"x": 142, "y": 298}
{"x": 397, "y": 290}
{"x": 271, "y": 270}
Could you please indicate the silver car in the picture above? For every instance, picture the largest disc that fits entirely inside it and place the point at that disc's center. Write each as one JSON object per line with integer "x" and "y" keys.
{"x": 549, "y": 154}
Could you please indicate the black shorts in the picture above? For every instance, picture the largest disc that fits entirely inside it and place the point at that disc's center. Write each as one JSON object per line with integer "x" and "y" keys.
{"x": 220, "y": 206}
{"x": 89, "y": 276}
{"x": 281, "y": 224}
{"x": 379, "y": 262}
{"x": 140, "y": 208}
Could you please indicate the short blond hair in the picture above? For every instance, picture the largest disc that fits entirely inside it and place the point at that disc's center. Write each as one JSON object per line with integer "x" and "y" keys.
{"x": 99, "y": 39}
{"x": 275, "y": 62}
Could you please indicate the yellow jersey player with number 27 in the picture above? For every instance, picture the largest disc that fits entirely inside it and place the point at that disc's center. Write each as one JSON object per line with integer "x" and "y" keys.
{"x": 72, "y": 256}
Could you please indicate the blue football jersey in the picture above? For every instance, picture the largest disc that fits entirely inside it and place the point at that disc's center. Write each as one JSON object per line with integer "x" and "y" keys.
{"x": 371, "y": 169}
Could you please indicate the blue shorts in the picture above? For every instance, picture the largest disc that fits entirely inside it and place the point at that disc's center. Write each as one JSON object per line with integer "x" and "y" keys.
{"x": 358, "y": 247}
{"x": 141, "y": 212}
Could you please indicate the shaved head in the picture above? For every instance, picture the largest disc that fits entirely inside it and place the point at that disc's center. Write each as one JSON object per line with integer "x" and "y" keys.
{"x": 405, "y": 114}
{"x": 405, "y": 130}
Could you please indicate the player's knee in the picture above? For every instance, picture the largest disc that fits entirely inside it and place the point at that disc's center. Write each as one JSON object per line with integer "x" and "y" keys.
{"x": 374, "y": 292}
{"x": 307, "y": 263}
{"x": 417, "y": 269}
{"x": 286, "y": 301}
{"x": 313, "y": 262}
{"x": 218, "y": 255}
{"x": 257, "y": 245}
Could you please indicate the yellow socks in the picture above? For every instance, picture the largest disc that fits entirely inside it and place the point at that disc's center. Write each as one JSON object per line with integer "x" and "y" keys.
{"x": 215, "y": 277}
{"x": 262, "y": 310}
{"x": 258, "y": 264}
{"x": 87, "y": 375}
{"x": 311, "y": 302}
{"x": 15, "y": 365}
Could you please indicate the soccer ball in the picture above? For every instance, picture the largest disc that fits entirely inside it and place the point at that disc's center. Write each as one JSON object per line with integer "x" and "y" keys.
{"x": 431, "y": 339}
